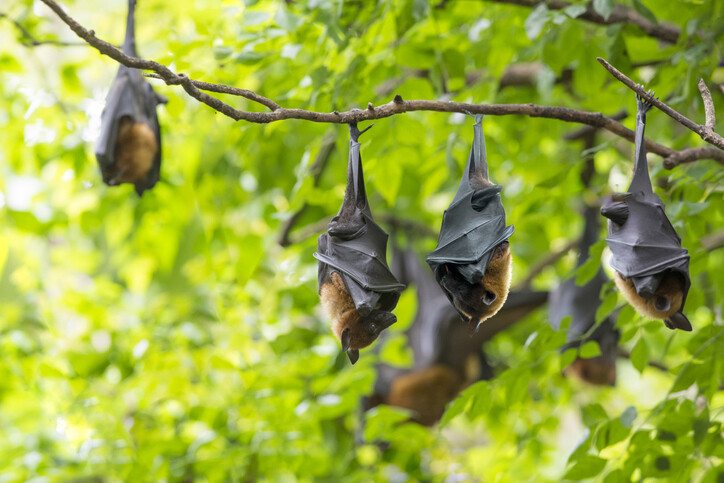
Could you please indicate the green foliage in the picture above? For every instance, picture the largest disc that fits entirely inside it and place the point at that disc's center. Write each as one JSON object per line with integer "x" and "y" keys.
{"x": 170, "y": 338}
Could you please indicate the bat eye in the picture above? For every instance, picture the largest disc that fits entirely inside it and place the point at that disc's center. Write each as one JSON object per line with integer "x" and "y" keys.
{"x": 489, "y": 297}
{"x": 662, "y": 303}
{"x": 372, "y": 328}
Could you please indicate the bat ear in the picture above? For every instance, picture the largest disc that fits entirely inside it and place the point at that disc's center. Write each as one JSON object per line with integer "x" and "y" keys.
{"x": 353, "y": 355}
{"x": 346, "y": 339}
{"x": 678, "y": 321}
{"x": 473, "y": 326}
{"x": 662, "y": 303}
{"x": 488, "y": 298}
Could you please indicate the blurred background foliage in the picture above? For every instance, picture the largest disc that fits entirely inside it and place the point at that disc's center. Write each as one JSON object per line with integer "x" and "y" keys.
{"x": 170, "y": 337}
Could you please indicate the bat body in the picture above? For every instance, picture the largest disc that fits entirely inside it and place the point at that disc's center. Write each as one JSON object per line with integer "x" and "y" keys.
{"x": 581, "y": 302}
{"x": 446, "y": 358}
{"x": 472, "y": 261}
{"x": 652, "y": 269}
{"x": 357, "y": 289}
{"x": 129, "y": 147}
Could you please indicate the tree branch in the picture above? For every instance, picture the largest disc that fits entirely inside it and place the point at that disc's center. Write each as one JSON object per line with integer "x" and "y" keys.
{"x": 705, "y": 132}
{"x": 620, "y": 14}
{"x": 396, "y": 106}
{"x": 548, "y": 260}
{"x": 709, "y": 115}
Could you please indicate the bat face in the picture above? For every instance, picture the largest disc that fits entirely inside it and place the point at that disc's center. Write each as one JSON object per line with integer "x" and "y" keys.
{"x": 596, "y": 370}
{"x": 353, "y": 330}
{"x": 665, "y": 301}
{"x": 480, "y": 301}
{"x": 426, "y": 392}
{"x": 136, "y": 148}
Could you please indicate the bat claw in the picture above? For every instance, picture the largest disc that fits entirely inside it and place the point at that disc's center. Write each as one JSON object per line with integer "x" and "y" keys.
{"x": 353, "y": 355}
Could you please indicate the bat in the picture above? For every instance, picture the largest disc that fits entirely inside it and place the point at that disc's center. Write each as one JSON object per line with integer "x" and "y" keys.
{"x": 357, "y": 288}
{"x": 446, "y": 358}
{"x": 581, "y": 303}
{"x": 472, "y": 261}
{"x": 651, "y": 267}
{"x": 129, "y": 147}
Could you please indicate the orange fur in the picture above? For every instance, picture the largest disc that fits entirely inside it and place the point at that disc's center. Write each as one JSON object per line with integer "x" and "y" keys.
{"x": 426, "y": 392}
{"x": 468, "y": 299}
{"x": 339, "y": 306}
{"x": 136, "y": 148}
{"x": 671, "y": 287}
{"x": 497, "y": 278}
{"x": 594, "y": 371}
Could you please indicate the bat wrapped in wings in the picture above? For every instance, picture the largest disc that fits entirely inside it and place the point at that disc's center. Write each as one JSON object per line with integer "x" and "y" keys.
{"x": 652, "y": 269}
{"x": 581, "y": 302}
{"x": 357, "y": 288}
{"x": 447, "y": 359}
{"x": 472, "y": 261}
{"x": 129, "y": 147}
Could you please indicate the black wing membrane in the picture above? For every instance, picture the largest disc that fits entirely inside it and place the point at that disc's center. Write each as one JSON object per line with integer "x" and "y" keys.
{"x": 644, "y": 244}
{"x": 474, "y": 223}
{"x": 355, "y": 246}
{"x": 132, "y": 98}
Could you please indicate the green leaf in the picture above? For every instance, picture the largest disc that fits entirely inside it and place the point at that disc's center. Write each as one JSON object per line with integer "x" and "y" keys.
{"x": 607, "y": 306}
{"x": 536, "y": 21}
{"x": 644, "y": 11}
{"x": 628, "y": 416}
{"x": 640, "y": 355}
{"x": 574, "y": 11}
{"x": 603, "y": 7}
{"x": 590, "y": 349}
{"x": 587, "y": 466}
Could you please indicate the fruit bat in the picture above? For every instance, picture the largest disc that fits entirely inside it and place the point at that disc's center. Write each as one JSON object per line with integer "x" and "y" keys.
{"x": 446, "y": 358}
{"x": 581, "y": 302}
{"x": 652, "y": 269}
{"x": 357, "y": 288}
{"x": 472, "y": 261}
{"x": 129, "y": 147}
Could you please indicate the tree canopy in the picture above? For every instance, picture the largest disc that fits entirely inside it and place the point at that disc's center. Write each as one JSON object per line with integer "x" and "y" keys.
{"x": 177, "y": 336}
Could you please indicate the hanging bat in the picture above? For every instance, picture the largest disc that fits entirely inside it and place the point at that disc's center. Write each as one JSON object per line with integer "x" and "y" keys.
{"x": 129, "y": 147}
{"x": 357, "y": 289}
{"x": 652, "y": 269}
{"x": 446, "y": 358}
{"x": 472, "y": 261}
{"x": 581, "y": 302}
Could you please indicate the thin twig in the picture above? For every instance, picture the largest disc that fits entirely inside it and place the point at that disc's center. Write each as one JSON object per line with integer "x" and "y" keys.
{"x": 33, "y": 41}
{"x": 548, "y": 260}
{"x": 320, "y": 163}
{"x": 620, "y": 14}
{"x": 709, "y": 114}
{"x": 713, "y": 241}
{"x": 585, "y": 131}
{"x": 627, "y": 355}
{"x": 706, "y": 133}
{"x": 396, "y": 106}
{"x": 224, "y": 89}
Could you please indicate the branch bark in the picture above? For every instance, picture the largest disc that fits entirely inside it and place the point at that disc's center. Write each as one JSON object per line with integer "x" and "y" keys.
{"x": 396, "y": 106}
{"x": 706, "y": 132}
{"x": 620, "y": 14}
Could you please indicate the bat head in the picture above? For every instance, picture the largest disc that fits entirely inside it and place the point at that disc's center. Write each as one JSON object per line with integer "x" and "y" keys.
{"x": 663, "y": 303}
{"x": 425, "y": 392}
{"x": 596, "y": 370}
{"x": 480, "y": 301}
{"x": 135, "y": 150}
{"x": 353, "y": 330}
